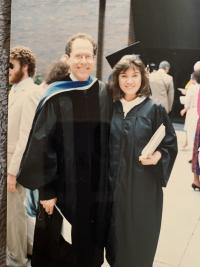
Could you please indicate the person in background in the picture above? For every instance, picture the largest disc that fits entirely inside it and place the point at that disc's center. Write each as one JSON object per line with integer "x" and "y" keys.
{"x": 196, "y": 67}
{"x": 57, "y": 72}
{"x": 136, "y": 180}
{"x": 151, "y": 67}
{"x": 68, "y": 153}
{"x": 23, "y": 99}
{"x": 189, "y": 100}
{"x": 190, "y": 109}
{"x": 162, "y": 86}
{"x": 195, "y": 157}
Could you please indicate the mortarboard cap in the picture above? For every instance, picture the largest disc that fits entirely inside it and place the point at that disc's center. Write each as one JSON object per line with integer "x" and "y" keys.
{"x": 134, "y": 48}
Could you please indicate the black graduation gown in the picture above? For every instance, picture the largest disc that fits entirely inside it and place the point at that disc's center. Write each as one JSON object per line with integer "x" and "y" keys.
{"x": 138, "y": 196}
{"x": 67, "y": 157}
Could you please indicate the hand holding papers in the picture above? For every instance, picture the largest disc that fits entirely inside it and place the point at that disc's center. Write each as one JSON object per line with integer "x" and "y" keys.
{"x": 182, "y": 99}
{"x": 154, "y": 142}
{"x": 182, "y": 90}
{"x": 66, "y": 228}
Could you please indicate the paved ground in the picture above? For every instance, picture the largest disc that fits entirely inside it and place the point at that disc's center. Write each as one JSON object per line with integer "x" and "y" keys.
{"x": 179, "y": 244}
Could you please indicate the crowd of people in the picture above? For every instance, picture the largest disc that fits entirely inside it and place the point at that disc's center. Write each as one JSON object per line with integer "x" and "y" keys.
{"x": 162, "y": 89}
{"x": 75, "y": 155}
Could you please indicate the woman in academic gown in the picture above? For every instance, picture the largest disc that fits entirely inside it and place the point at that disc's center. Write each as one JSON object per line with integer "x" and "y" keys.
{"x": 137, "y": 181}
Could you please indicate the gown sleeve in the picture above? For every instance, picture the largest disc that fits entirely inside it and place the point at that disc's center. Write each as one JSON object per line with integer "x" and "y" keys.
{"x": 39, "y": 163}
{"x": 168, "y": 146}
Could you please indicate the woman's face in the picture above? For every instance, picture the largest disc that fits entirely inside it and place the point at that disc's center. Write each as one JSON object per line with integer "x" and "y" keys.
{"x": 130, "y": 82}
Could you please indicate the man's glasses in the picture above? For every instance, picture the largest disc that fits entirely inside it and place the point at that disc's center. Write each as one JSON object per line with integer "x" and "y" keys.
{"x": 79, "y": 58}
{"x": 11, "y": 66}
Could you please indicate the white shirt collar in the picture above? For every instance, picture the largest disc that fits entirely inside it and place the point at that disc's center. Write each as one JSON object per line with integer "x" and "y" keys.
{"x": 73, "y": 78}
{"x": 162, "y": 71}
{"x": 22, "y": 84}
{"x": 128, "y": 105}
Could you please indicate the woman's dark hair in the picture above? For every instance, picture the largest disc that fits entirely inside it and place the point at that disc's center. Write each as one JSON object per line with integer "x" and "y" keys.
{"x": 126, "y": 62}
{"x": 57, "y": 72}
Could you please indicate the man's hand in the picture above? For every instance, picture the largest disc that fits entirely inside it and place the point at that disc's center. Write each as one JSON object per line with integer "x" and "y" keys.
{"x": 48, "y": 205}
{"x": 151, "y": 159}
{"x": 11, "y": 183}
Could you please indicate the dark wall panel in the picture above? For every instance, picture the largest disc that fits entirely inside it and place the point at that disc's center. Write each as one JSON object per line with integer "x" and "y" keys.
{"x": 169, "y": 30}
{"x": 168, "y": 24}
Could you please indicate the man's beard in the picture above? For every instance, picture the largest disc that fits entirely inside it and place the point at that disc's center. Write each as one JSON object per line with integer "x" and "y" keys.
{"x": 17, "y": 77}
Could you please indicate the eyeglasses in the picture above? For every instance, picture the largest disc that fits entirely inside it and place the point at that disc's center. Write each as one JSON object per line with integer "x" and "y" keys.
{"x": 11, "y": 66}
{"x": 79, "y": 58}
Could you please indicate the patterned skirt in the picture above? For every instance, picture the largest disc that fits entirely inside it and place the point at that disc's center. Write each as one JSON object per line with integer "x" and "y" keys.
{"x": 195, "y": 162}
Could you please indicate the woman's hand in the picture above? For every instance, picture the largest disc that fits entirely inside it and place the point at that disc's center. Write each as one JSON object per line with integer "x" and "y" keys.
{"x": 150, "y": 159}
{"x": 48, "y": 205}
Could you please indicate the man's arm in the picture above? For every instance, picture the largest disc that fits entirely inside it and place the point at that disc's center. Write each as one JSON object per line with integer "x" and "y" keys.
{"x": 170, "y": 94}
{"x": 38, "y": 166}
{"x": 27, "y": 115}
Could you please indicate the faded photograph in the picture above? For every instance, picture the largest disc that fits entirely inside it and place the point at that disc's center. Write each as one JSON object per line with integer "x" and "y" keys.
{"x": 102, "y": 135}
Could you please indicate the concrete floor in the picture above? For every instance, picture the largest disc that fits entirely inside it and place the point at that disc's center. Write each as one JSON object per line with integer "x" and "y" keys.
{"x": 179, "y": 243}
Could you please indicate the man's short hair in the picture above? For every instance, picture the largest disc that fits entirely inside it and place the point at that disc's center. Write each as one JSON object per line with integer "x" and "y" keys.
{"x": 164, "y": 65}
{"x": 197, "y": 66}
{"x": 152, "y": 66}
{"x": 24, "y": 56}
{"x": 68, "y": 47}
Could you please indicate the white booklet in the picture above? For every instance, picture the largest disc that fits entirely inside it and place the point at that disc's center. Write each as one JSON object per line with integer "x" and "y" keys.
{"x": 154, "y": 142}
{"x": 66, "y": 228}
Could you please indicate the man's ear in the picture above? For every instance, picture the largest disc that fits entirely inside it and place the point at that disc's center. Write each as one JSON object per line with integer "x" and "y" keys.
{"x": 64, "y": 58}
{"x": 25, "y": 68}
{"x": 167, "y": 70}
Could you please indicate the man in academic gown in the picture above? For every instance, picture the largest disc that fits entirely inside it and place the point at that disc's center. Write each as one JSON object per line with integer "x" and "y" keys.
{"x": 67, "y": 160}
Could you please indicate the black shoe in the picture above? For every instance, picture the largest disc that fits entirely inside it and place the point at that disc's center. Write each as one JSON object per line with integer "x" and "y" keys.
{"x": 194, "y": 186}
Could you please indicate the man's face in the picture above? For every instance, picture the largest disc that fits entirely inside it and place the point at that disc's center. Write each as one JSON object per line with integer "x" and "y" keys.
{"x": 16, "y": 72}
{"x": 81, "y": 59}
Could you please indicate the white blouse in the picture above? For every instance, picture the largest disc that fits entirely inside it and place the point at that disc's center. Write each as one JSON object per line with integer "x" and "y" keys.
{"x": 128, "y": 105}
